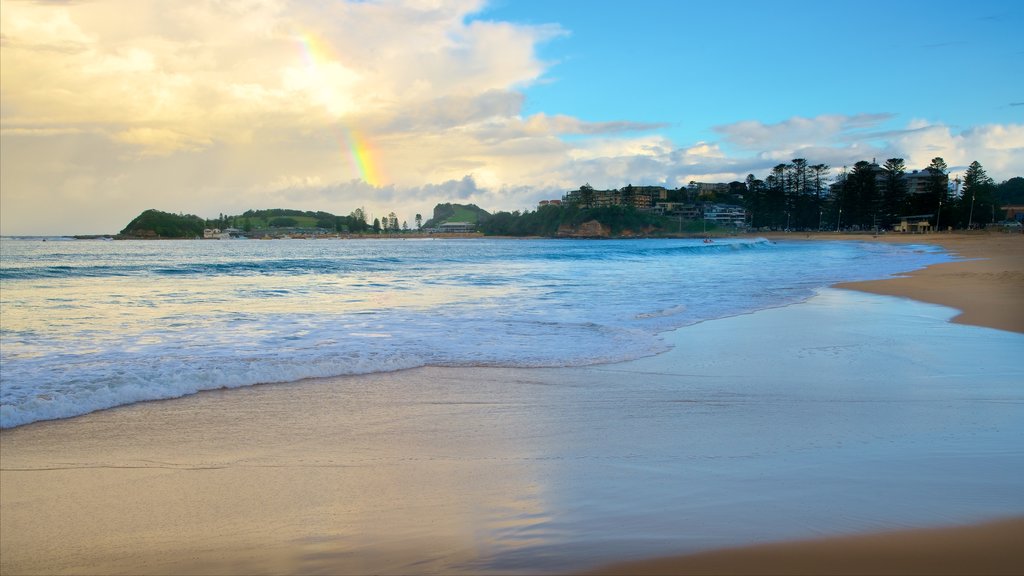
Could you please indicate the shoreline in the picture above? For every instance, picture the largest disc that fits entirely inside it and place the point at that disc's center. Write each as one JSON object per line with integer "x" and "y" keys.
{"x": 986, "y": 286}
{"x": 345, "y": 467}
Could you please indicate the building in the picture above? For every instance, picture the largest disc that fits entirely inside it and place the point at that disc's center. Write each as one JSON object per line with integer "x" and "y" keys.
{"x": 917, "y": 181}
{"x": 1014, "y": 213}
{"x": 725, "y": 214}
{"x": 915, "y": 224}
{"x": 671, "y": 208}
{"x": 218, "y": 234}
{"x": 457, "y": 228}
{"x": 639, "y": 197}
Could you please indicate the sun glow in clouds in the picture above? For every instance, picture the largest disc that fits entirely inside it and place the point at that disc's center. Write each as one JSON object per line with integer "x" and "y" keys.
{"x": 330, "y": 83}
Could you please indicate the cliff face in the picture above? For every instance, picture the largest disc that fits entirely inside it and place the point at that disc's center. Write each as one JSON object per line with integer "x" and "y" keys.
{"x": 590, "y": 229}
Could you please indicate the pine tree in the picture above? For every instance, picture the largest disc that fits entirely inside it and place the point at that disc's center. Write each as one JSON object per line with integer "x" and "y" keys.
{"x": 976, "y": 203}
{"x": 894, "y": 193}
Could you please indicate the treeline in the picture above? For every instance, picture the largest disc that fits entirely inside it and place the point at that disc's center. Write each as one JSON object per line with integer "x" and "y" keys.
{"x": 798, "y": 196}
{"x": 546, "y": 220}
{"x": 286, "y": 218}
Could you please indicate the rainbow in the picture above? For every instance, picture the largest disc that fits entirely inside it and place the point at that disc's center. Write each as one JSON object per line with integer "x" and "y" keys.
{"x": 362, "y": 154}
{"x": 314, "y": 49}
{"x": 315, "y": 52}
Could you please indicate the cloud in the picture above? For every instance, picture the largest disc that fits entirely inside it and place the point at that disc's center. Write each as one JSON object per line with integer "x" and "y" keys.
{"x": 798, "y": 132}
{"x": 999, "y": 147}
{"x": 218, "y": 107}
{"x": 561, "y": 124}
{"x": 207, "y": 71}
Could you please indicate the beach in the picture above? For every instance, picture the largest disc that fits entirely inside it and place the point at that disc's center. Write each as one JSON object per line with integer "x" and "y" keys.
{"x": 853, "y": 413}
{"x": 986, "y": 286}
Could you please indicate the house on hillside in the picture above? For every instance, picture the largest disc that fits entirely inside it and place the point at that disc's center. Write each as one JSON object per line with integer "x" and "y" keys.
{"x": 457, "y": 228}
{"x": 725, "y": 214}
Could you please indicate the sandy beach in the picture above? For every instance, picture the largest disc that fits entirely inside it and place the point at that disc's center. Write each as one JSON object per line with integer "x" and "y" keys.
{"x": 986, "y": 286}
{"x": 735, "y": 454}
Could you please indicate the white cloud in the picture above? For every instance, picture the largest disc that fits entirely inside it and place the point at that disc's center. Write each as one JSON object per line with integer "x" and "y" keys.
{"x": 1000, "y": 148}
{"x": 210, "y": 106}
{"x": 798, "y": 132}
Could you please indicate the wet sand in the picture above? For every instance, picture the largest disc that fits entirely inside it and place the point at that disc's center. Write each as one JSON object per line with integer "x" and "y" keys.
{"x": 849, "y": 414}
{"x": 987, "y": 286}
{"x": 987, "y": 289}
{"x": 990, "y": 548}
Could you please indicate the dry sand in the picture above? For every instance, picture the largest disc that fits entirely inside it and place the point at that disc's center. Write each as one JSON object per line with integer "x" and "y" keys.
{"x": 312, "y": 477}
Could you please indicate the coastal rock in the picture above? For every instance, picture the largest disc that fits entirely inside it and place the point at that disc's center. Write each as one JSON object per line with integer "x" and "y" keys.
{"x": 589, "y": 229}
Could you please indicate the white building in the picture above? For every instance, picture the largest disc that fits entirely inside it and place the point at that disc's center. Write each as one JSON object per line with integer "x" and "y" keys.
{"x": 725, "y": 214}
{"x": 457, "y": 228}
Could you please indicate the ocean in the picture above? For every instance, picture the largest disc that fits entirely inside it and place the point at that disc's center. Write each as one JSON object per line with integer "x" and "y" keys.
{"x": 89, "y": 324}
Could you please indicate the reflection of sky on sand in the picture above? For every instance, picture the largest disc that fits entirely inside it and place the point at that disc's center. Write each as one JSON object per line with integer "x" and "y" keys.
{"x": 848, "y": 413}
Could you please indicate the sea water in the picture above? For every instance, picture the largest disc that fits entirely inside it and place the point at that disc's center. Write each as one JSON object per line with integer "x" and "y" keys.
{"x": 90, "y": 324}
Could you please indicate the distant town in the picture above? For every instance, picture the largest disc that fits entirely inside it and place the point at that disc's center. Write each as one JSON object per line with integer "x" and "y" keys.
{"x": 795, "y": 196}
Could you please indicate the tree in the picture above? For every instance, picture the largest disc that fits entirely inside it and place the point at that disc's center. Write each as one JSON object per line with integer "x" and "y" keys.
{"x": 937, "y": 198}
{"x": 157, "y": 224}
{"x": 818, "y": 174}
{"x": 977, "y": 203}
{"x": 860, "y": 197}
{"x": 627, "y": 196}
{"x": 894, "y": 192}
{"x": 587, "y": 196}
{"x": 358, "y": 215}
{"x": 799, "y": 201}
{"x": 376, "y": 226}
{"x": 419, "y": 221}
{"x": 754, "y": 201}
{"x": 1011, "y": 191}
{"x": 283, "y": 222}
{"x": 775, "y": 197}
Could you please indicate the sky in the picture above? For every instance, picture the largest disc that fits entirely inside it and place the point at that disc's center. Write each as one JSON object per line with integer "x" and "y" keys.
{"x": 208, "y": 107}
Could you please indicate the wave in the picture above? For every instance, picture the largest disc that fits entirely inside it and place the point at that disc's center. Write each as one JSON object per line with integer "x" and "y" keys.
{"x": 85, "y": 339}
{"x": 155, "y": 368}
{"x": 340, "y": 263}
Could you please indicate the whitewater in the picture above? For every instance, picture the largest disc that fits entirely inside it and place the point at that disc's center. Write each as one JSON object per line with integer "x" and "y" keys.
{"x": 87, "y": 325}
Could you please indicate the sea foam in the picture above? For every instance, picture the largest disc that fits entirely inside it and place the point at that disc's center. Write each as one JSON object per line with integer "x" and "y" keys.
{"x": 90, "y": 325}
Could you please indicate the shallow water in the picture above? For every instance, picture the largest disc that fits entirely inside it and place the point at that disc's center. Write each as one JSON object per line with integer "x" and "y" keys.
{"x": 847, "y": 413}
{"x": 89, "y": 325}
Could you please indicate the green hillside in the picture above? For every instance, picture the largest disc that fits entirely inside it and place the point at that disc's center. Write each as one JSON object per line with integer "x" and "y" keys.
{"x": 456, "y": 213}
{"x": 157, "y": 224}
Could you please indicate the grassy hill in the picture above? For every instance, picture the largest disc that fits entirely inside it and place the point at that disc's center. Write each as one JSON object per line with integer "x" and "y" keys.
{"x": 456, "y": 213}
